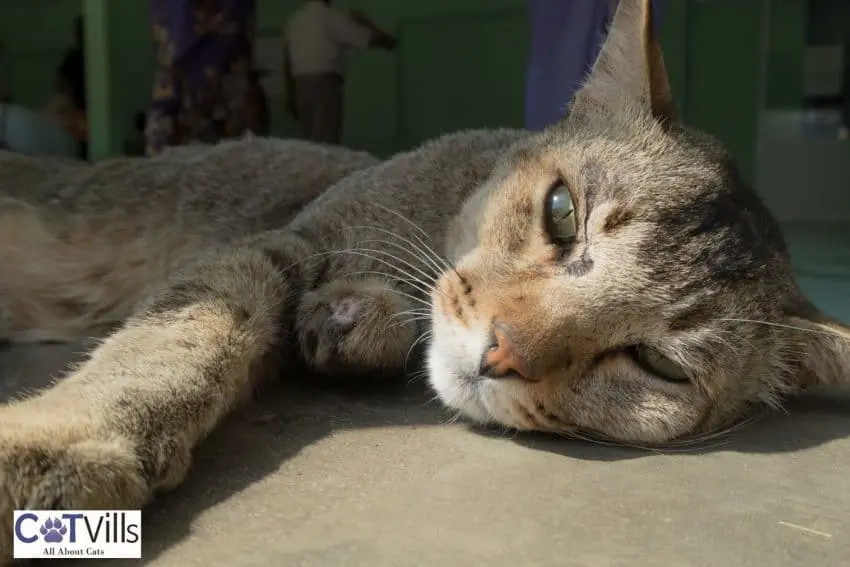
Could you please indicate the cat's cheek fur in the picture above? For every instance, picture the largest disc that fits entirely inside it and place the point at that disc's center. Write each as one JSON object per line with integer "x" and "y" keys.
{"x": 462, "y": 234}
{"x": 628, "y": 408}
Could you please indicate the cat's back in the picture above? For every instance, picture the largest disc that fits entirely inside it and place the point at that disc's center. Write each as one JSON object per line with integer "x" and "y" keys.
{"x": 201, "y": 187}
{"x": 90, "y": 241}
{"x": 426, "y": 186}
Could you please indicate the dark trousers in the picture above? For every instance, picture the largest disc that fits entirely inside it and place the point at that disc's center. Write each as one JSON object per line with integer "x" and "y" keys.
{"x": 319, "y": 100}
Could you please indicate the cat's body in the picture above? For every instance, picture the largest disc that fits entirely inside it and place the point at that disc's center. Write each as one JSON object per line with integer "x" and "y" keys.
{"x": 100, "y": 238}
{"x": 338, "y": 245}
{"x": 610, "y": 275}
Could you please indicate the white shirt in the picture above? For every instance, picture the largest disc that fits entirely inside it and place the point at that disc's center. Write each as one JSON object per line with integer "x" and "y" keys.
{"x": 318, "y": 35}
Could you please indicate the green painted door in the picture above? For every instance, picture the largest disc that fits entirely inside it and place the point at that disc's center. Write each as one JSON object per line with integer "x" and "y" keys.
{"x": 725, "y": 46}
{"x": 461, "y": 72}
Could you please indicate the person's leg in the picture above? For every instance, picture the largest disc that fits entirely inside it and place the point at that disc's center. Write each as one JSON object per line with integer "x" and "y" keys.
{"x": 305, "y": 101}
{"x": 173, "y": 37}
{"x": 160, "y": 122}
{"x": 232, "y": 52}
{"x": 329, "y": 119}
{"x": 320, "y": 99}
{"x": 566, "y": 37}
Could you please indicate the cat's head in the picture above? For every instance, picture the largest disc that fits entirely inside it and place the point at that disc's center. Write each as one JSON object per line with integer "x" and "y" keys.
{"x": 616, "y": 276}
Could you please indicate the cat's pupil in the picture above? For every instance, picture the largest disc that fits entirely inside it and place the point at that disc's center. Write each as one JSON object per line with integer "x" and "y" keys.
{"x": 560, "y": 206}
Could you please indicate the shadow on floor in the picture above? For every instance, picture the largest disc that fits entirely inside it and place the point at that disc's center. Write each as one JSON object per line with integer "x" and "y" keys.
{"x": 245, "y": 450}
{"x": 255, "y": 442}
{"x": 806, "y": 421}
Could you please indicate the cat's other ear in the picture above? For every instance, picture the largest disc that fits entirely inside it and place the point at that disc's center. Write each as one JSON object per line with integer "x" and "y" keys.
{"x": 825, "y": 349}
{"x": 629, "y": 69}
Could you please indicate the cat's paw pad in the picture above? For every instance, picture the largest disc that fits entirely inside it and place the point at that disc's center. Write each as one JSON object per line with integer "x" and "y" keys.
{"x": 328, "y": 321}
{"x": 53, "y": 530}
{"x": 345, "y": 312}
{"x": 353, "y": 328}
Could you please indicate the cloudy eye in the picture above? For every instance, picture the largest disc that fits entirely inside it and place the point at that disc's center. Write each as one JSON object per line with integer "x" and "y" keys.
{"x": 656, "y": 363}
{"x": 561, "y": 215}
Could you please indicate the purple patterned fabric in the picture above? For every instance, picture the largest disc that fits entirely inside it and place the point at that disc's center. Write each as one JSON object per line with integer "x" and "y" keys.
{"x": 204, "y": 54}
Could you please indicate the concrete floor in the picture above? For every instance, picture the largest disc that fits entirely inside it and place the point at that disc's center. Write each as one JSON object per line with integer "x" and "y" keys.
{"x": 330, "y": 477}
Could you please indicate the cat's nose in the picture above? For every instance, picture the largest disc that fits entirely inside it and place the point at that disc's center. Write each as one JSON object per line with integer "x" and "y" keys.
{"x": 502, "y": 359}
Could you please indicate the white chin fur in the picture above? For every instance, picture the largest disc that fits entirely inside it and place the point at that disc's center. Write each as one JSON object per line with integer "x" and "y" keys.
{"x": 453, "y": 358}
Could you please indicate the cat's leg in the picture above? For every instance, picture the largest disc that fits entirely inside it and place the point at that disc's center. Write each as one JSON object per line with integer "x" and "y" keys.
{"x": 123, "y": 424}
{"x": 357, "y": 326}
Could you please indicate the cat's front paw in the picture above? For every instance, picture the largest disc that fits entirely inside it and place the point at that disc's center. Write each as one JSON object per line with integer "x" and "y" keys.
{"x": 350, "y": 327}
{"x": 50, "y": 468}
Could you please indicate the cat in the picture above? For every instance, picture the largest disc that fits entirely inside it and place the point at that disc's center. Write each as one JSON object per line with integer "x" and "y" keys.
{"x": 101, "y": 238}
{"x": 610, "y": 276}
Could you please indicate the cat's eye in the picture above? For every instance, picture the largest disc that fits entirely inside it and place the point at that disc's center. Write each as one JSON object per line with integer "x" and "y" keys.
{"x": 659, "y": 365}
{"x": 561, "y": 215}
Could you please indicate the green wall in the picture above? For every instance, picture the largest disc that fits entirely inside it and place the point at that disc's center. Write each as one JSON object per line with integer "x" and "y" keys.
{"x": 443, "y": 76}
{"x": 460, "y": 64}
{"x": 35, "y": 44}
{"x": 785, "y": 55}
{"x": 724, "y": 73}
{"x": 37, "y": 33}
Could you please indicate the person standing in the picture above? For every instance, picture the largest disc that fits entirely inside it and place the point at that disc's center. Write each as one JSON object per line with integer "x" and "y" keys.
{"x": 203, "y": 80}
{"x": 566, "y": 38}
{"x": 68, "y": 105}
{"x": 315, "y": 39}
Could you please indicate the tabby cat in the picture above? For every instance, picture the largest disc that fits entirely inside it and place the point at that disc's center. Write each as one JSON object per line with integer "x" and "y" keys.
{"x": 609, "y": 276}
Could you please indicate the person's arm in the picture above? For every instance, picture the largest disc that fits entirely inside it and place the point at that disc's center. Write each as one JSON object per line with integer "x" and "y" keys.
{"x": 380, "y": 38}
{"x": 347, "y": 31}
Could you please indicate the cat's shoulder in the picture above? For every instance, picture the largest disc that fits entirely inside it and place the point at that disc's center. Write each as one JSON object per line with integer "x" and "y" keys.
{"x": 450, "y": 165}
{"x": 465, "y": 153}
{"x": 469, "y": 145}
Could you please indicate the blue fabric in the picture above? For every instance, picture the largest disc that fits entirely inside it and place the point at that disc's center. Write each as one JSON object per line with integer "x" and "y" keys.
{"x": 27, "y": 132}
{"x": 566, "y": 37}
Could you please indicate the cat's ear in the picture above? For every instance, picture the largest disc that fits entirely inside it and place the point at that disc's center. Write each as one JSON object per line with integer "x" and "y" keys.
{"x": 825, "y": 350}
{"x": 630, "y": 67}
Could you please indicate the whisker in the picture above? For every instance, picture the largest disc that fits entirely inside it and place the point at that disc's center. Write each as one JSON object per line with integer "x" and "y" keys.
{"x": 424, "y": 249}
{"x": 419, "y": 375}
{"x": 404, "y": 218}
{"x": 448, "y": 264}
{"x": 426, "y": 287}
{"x": 411, "y": 280}
{"x": 785, "y": 326}
{"x": 422, "y": 256}
{"x": 414, "y": 320}
{"x": 423, "y": 337}
{"x": 694, "y": 443}
{"x": 417, "y": 228}
{"x": 454, "y": 419}
{"x": 432, "y": 277}
{"x": 404, "y": 323}
{"x": 730, "y": 345}
{"x": 392, "y": 289}
{"x": 414, "y": 312}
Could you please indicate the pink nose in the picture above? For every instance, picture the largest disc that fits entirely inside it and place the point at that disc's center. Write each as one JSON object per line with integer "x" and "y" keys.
{"x": 502, "y": 359}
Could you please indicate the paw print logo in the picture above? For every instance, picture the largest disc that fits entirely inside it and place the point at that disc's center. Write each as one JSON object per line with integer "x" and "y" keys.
{"x": 53, "y": 530}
